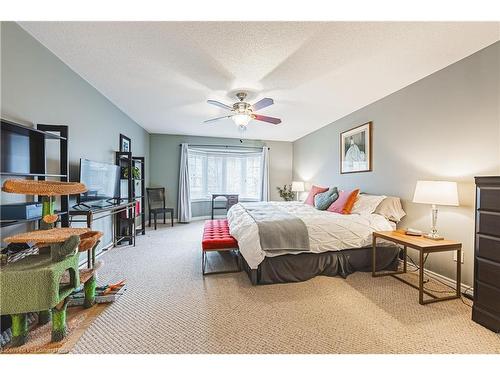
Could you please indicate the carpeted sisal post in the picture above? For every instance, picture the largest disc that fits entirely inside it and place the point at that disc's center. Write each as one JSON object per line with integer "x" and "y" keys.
{"x": 59, "y": 321}
{"x": 89, "y": 289}
{"x": 19, "y": 329}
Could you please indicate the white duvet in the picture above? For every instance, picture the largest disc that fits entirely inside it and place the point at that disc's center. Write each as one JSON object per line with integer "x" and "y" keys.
{"x": 328, "y": 231}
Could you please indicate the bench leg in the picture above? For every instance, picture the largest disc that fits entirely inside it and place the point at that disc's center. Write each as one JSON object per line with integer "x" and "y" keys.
{"x": 89, "y": 290}
{"x": 19, "y": 329}
{"x": 59, "y": 330}
{"x": 172, "y": 218}
{"x": 155, "y": 217}
{"x": 204, "y": 259}
{"x": 44, "y": 317}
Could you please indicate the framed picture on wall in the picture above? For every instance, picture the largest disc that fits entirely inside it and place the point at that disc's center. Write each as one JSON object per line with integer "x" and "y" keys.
{"x": 125, "y": 143}
{"x": 356, "y": 149}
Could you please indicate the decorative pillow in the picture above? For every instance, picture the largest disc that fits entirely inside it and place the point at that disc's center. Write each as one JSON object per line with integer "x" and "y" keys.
{"x": 323, "y": 200}
{"x": 366, "y": 204}
{"x": 391, "y": 209}
{"x": 314, "y": 190}
{"x": 343, "y": 205}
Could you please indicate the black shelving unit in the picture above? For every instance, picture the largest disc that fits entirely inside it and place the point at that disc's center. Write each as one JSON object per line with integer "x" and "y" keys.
{"x": 127, "y": 160}
{"x": 124, "y": 161}
{"x": 138, "y": 161}
{"x": 36, "y": 138}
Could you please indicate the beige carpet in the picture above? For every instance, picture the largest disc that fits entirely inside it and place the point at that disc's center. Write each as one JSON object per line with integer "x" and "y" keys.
{"x": 170, "y": 308}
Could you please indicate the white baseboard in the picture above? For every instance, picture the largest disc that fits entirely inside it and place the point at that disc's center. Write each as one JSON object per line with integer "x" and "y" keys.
{"x": 466, "y": 289}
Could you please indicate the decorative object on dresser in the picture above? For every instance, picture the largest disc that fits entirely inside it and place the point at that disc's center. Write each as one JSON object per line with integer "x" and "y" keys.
{"x": 157, "y": 205}
{"x": 486, "y": 309}
{"x": 297, "y": 188}
{"x": 442, "y": 193}
{"x": 425, "y": 247}
{"x": 356, "y": 149}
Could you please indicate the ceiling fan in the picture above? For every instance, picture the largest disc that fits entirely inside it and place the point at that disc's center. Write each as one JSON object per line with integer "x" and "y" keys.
{"x": 243, "y": 112}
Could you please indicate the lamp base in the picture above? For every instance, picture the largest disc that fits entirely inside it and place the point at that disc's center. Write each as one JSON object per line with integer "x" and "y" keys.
{"x": 433, "y": 236}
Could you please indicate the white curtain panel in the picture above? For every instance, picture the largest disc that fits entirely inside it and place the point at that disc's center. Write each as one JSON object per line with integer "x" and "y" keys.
{"x": 265, "y": 175}
{"x": 184, "y": 201}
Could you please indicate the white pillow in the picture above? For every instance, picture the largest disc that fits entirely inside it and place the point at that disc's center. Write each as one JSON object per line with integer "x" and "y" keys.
{"x": 366, "y": 204}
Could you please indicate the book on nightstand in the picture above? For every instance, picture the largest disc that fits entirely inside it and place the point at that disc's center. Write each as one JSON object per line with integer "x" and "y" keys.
{"x": 413, "y": 232}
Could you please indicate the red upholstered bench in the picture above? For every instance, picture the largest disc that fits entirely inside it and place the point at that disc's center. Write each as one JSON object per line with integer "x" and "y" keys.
{"x": 216, "y": 237}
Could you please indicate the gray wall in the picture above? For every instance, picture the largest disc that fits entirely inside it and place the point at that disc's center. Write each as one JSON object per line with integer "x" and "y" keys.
{"x": 443, "y": 127}
{"x": 37, "y": 87}
{"x": 165, "y": 158}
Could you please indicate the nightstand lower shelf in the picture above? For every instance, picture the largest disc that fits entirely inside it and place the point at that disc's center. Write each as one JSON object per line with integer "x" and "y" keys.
{"x": 424, "y": 246}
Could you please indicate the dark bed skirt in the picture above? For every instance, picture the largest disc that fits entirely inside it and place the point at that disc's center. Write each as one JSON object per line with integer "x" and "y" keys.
{"x": 301, "y": 267}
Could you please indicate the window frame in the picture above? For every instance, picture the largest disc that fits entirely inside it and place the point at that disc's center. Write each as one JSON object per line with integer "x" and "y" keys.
{"x": 243, "y": 156}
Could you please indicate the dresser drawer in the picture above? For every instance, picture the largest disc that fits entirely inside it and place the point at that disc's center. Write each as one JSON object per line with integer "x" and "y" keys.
{"x": 489, "y": 199}
{"x": 488, "y": 248}
{"x": 488, "y": 272}
{"x": 489, "y": 224}
{"x": 486, "y": 318}
{"x": 488, "y": 297}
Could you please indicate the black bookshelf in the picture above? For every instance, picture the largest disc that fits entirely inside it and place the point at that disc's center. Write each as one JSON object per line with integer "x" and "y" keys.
{"x": 135, "y": 192}
{"x": 37, "y": 138}
{"x": 139, "y": 162}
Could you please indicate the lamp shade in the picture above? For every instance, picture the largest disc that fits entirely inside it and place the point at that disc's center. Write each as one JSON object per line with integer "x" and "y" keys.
{"x": 436, "y": 192}
{"x": 298, "y": 186}
{"x": 241, "y": 119}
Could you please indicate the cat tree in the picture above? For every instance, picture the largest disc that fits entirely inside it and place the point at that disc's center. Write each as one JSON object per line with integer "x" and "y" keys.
{"x": 34, "y": 282}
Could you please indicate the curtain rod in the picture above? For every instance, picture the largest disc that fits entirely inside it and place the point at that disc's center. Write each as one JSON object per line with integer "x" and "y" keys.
{"x": 225, "y": 146}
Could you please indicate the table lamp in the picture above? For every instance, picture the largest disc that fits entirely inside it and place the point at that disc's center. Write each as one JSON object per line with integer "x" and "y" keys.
{"x": 443, "y": 193}
{"x": 298, "y": 187}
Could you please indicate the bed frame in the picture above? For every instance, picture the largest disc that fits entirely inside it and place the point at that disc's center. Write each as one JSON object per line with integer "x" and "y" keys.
{"x": 304, "y": 266}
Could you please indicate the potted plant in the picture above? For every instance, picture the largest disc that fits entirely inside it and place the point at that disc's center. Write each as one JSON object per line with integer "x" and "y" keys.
{"x": 136, "y": 173}
{"x": 286, "y": 192}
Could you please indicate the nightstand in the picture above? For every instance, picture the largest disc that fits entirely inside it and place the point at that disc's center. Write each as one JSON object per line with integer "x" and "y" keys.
{"x": 424, "y": 246}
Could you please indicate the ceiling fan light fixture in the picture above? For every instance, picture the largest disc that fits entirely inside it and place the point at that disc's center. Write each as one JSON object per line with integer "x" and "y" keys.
{"x": 241, "y": 119}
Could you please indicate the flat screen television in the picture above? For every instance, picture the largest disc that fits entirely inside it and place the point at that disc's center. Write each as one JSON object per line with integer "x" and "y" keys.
{"x": 22, "y": 149}
{"x": 101, "y": 179}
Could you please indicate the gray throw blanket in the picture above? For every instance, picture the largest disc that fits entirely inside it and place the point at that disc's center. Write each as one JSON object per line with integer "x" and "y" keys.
{"x": 278, "y": 230}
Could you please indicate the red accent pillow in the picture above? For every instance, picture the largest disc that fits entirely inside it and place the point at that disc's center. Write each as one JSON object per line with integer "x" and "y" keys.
{"x": 344, "y": 203}
{"x": 314, "y": 190}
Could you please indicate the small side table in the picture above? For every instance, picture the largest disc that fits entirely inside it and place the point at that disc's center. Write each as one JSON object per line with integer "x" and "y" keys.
{"x": 424, "y": 246}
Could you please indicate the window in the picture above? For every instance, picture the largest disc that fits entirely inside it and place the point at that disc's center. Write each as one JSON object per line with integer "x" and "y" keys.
{"x": 225, "y": 172}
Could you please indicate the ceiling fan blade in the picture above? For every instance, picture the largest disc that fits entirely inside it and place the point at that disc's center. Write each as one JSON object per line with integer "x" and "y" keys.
{"x": 219, "y": 104}
{"x": 262, "y": 103}
{"x": 216, "y": 119}
{"x": 272, "y": 120}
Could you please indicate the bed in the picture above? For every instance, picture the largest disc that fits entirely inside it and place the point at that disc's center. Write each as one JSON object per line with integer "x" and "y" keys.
{"x": 335, "y": 245}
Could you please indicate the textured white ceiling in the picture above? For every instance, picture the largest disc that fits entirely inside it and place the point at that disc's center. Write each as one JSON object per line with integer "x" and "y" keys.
{"x": 162, "y": 73}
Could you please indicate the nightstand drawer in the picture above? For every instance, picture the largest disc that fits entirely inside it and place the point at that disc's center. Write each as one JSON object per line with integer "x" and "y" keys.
{"x": 489, "y": 199}
{"x": 488, "y": 272}
{"x": 488, "y": 248}
{"x": 489, "y": 224}
{"x": 488, "y": 297}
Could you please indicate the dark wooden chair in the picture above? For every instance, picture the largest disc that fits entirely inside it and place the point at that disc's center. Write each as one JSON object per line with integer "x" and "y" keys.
{"x": 156, "y": 205}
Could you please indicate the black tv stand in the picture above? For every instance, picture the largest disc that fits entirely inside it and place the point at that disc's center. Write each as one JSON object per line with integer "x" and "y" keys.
{"x": 93, "y": 213}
